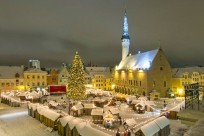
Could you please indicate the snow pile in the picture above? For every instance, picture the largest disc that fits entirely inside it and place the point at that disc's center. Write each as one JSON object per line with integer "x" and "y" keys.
{"x": 197, "y": 129}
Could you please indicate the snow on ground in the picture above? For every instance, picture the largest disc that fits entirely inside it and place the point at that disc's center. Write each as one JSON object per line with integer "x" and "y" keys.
{"x": 14, "y": 121}
{"x": 197, "y": 129}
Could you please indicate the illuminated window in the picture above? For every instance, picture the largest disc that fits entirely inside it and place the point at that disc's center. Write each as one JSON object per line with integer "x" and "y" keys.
{"x": 140, "y": 83}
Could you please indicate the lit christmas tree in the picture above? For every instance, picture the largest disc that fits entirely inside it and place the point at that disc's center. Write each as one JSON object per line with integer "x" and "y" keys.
{"x": 76, "y": 88}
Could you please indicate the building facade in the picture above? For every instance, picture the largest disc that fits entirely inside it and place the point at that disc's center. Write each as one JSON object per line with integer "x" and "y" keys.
{"x": 11, "y": 78}
{"x": 184, "y": 76}
{"x": 100, "y": 77}
{"x": 143, "y": 72}
{"x": 63, "y": 76}
{"x": 52, "y": 77}
{"x": 35, "y": 78}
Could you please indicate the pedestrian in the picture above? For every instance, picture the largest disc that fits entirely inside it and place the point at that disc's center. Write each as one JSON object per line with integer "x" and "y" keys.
{"x": 125, "y": 133}
{"x": 118, "y": 132}
{"x": 129, "y": 133}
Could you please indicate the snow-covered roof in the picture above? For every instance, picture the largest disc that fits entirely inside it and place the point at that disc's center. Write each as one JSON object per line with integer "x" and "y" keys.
{"x": 142, "y": 98}
{"x": 162, "y": 122}
{"x": 77, "y": 107}
{"x": 114, "y": 110}
{"x": 140, "y": 104}
{"x": 130, "y": 122}
{"x": 149, "y": 102}
{"x": 178, "y": 72}
{"x": 150, "y": 129}
{"x": 65, "y": 120}
{"x": 35, "y": 70}
{"x": 9, "y": 72}
{"x": 97, "y": 69}
{"x": 90, "y": 131}
{"x": 88, "y": 105}
{"x": 51, "y": 114}
{"x": 98, "y": 111}
{"x": 74, "y": 122}
{"x": 34, "y": 106}
{"x": 40, "y": 109}
{"x": 118, "y": 102}
{"x": 81, "y": 125}
{"x": 135, "y": 101}
{"x": 138, "y": 61}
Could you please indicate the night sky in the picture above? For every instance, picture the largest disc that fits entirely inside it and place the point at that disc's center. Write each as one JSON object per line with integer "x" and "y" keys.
{"x": 53, "y": 30}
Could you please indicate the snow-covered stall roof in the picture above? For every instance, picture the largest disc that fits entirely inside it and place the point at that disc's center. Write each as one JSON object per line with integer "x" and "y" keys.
{"x": 118, "y": 102}
{"x": 51, "y": 114}
{"x": 81, "y": 125}
{"x": 65, "y": 120}
{"x": 89, "y": 105}
{"x": 149, "y": 103}
{"x": 114, "y": 110}
{"x": 150, "y": 129}
{"x": 41, "y": 108}
{"x": 135, "y": 101}
{"x": 89, "y": 131}
{"x": 162, "y": 122}
{"x": 77, "y": 107}
{"x": 53, "y": 103}
{"x": 74, "y": 122}
{"x": 98, "y": 111}
{"x": 130, "y": 122}
{"x": 140, "y": 104}
{"x": 142, "y": 98}
{"x": 33, "y": 106}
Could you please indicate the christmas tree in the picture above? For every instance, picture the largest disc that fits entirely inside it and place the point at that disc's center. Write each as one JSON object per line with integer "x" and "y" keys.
{"x": 76, "y": 88}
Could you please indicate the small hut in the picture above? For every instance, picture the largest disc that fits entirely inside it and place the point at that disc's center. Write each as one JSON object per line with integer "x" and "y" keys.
{"x": 154, "y": 95}
{"x": 114, "y": 111}
{"x": 133, "y": 103}
{"x": 140, "y": 107}
{"x": 150, "y": 129}
{"x": 97, "y": 115}
{"x": 50, "y": 118}
{"x": 108, "y": 120}
{"x": 63, "y": 124}
{"x": 79, "y": 127}
{"x": 163, "y": 124}
{"x": 129, "y": 123}
{"x": 148, "y": 105}
{"x": 39, "y": 112}
{"x": 33, "y": 109}
{"x": 72, "y": 126}
{"x": 77, "y": 110}
{"x": 88, "y": 108}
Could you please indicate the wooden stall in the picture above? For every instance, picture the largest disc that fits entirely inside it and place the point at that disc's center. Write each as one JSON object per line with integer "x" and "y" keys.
{"x": 150, "y": 129}
{"x": 62, "y": 124}
{"x": 72, "y": 126}
{"x": 77, "y": 110}
{"x": 97, "y": 115}
{"x": 88, "y": 108}
{"x": 163, "y": 124}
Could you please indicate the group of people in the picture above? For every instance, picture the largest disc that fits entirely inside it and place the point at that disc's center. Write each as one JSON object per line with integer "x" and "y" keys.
{"x": 124, "y": 134}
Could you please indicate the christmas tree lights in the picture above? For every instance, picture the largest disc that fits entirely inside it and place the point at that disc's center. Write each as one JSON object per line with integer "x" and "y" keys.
{"x": 76, "y": 88}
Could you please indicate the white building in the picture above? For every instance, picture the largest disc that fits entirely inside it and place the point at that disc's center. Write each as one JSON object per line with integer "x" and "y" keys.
{"x": 34, "y": 64}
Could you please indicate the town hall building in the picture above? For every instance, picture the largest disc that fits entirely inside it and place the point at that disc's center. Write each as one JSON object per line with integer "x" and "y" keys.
{"x": 143, "y": 72}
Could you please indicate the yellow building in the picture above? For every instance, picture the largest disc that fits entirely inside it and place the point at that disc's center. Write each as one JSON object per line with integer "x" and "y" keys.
{"x": 11, "y": 78}
{"x": 52, "y": 77}
{"x": 35, "y": 78}
{"x": 100, "y": 77}
{"x": 185, "y": 76}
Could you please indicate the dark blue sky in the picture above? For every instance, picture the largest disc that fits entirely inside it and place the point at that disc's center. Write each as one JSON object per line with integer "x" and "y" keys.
{"x": 53, "y": 30}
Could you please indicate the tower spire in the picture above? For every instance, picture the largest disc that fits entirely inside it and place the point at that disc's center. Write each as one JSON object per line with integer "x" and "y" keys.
{"x": 125, "y": 37}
